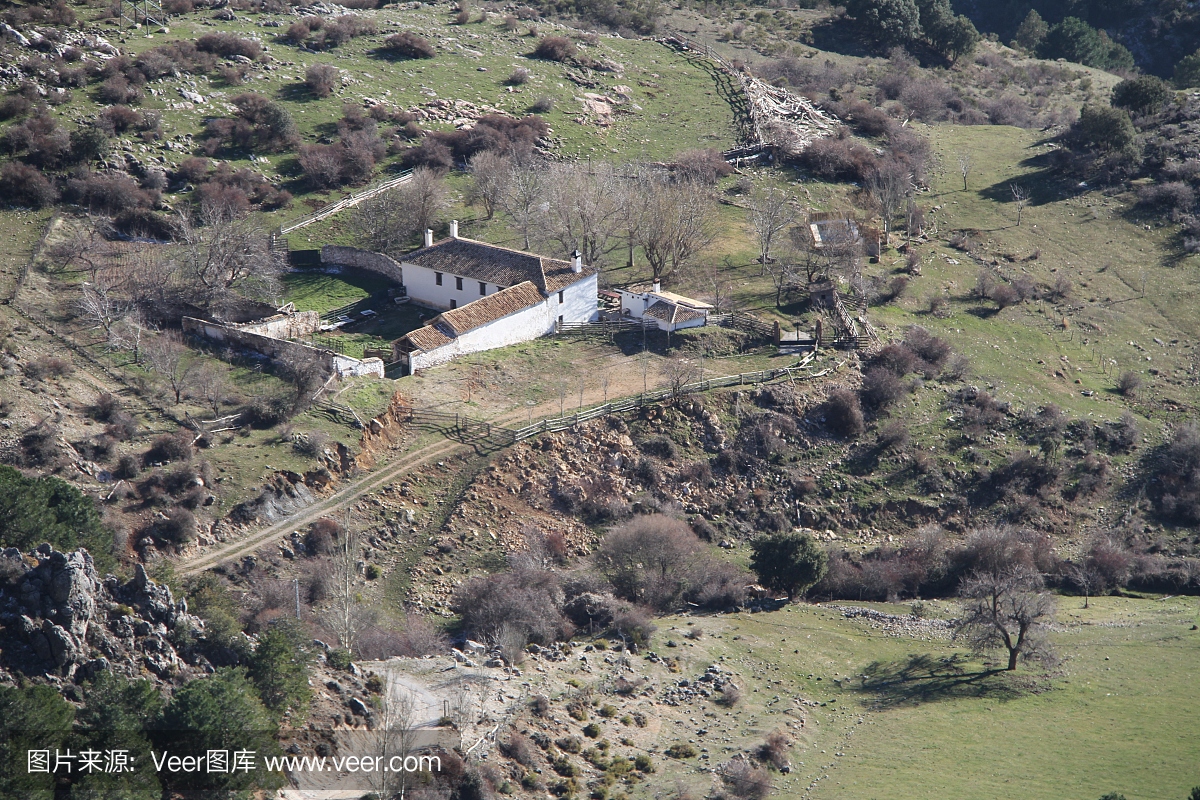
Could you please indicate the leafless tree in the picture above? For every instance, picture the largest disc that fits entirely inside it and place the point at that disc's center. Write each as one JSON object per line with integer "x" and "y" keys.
{"x": 345, "y": 615}
{"x": 889, "y": 185}
{"x": 395, "y": 728}
{"x": 770, "y": 213}
{"x": 839, "y": 255}
{"x": 679, "y": 372}
{"x": 524, "y": 197}
{"x": 167, "y": 355}
{"x": 84, "y": 248}
{"x": 128, "y": 333}
{"x": 1087, "y": 578}
{"x": 307, "y": 370}
{"x": 783, "y": 277}
{"x": 583, "y": 210}
{"x": 717, "y": 277}
{"x": 100, "y": 306}
{"x": 425, "y": 196}
{"x": 1008, "y": 609}
{"x": 632, "y": 210}
{"x": 227, "y": 253}
{"x": 489, "y": 171}
{"x": 964, "y": 167}
{"x": 1020, "y": 196}
{"x": 646, "y": 559}
{"x": 383, "y": 224}
{"x": 210, "y": 385}
{"x": 678, "y": 225}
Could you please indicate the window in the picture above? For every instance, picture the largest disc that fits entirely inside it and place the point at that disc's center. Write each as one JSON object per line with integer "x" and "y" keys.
{"x": 560, "y": 320}
{"x": 560, "y": 297}
{"x": 454, "y": 304}
{"x": 482, "y": 288}
{"x": 458, "y": 283}
{"x": 437, "y": 278}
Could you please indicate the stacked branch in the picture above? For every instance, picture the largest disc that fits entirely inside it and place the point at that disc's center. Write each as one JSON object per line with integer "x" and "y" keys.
{"x": 785, "y": 120}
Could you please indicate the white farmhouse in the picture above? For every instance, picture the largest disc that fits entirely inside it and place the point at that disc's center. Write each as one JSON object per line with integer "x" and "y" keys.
{"x": 492, "y": 297}
{"x": 669, "y": 311}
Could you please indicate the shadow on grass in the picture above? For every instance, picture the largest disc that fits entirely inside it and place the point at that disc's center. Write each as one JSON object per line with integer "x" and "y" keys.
{"x": 920, "y": 679}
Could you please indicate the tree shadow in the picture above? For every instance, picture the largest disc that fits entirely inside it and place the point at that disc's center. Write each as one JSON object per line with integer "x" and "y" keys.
{"x": 918, "y": 679}
{"x": 1046, "y": 183}
{"x": 296, "y": 93}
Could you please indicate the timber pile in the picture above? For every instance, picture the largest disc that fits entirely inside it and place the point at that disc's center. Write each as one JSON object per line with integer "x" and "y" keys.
{"x": 784, "y": 120}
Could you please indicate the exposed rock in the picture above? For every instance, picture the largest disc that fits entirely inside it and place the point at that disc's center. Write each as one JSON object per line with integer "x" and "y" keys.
{"x": 56, "y": 611}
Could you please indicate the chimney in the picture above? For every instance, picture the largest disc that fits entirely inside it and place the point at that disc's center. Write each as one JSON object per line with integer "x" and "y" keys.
{"x": 576, "y": 261}
{"x": 453, "y": 229}
{"x": 657, "y": 287}
{"x": 428, "y": 238}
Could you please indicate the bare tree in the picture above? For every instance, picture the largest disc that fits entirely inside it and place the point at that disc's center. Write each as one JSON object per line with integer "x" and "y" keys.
{"x": 722, "y": 287}
{"x": 678, "y": 225}
{"x": 524, "y": 198}
{"x": 210, "y": 385}
{"x": 345, "y": 616}
{"x": 770, "y": 213}
{"x": 227, "y": 253}
{"x": 1008, "y": 609}
{"x": 583, "y": 210}
{"x": 839, "y": 255}
{"x": 100, "y": 306}
{"x": 632, "y": 209}
{"x": 395, "y": 729}
{"x": 1020, "y": 196}
{"x": 84, "y": 248}
{"x": 128, "y": 333}
{"x": 889, "y": 185}
{"x": 783, "y": 277}
{"x": 167, "y": 355}
{"x": 489, "y": 172}
{"x": 964, "y": 167}
{"x": 307, "y": 370}
{"x": 425, "y": 197}
{"x": 679, "y": 372}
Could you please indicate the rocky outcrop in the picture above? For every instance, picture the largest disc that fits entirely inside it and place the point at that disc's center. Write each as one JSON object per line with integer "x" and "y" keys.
{"x": 60, "y": 618}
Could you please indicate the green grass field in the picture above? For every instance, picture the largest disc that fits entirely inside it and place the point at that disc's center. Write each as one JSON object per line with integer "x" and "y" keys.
{"x": 1114, "y": 717}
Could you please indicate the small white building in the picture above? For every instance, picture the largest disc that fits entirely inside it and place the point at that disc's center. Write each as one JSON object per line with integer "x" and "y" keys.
{"x": 492, "y": 297}
{"x": 669, "y": 311}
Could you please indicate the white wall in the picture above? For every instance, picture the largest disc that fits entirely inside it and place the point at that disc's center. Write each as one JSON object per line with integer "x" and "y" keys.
{"x": 579, "y": 301}
{"x": 422, "y": 287}
{"x": 635, "y": 303}
{"x": 520, "y": 326}
{"x": 347, "y": 366}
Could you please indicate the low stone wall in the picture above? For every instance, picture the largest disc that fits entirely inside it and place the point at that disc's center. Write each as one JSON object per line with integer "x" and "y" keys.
{"x": 285, "y": 326}
{"x": 274, "y": 347}
{"x": 338, "y": 256}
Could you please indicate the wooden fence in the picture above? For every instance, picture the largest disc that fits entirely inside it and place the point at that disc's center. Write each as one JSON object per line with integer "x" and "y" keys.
{"x": 277, "y": 240}
{"x": 476, "y": 431}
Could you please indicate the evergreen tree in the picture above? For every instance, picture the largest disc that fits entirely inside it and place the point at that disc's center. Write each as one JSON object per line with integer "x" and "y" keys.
{"x": 220, "y": 712}
{"x": 279, "y": 668}
{"x": 1104, "y": 128}
{"x": 35, "y": 718}
{"x": 1187, "y": 71}
{"x": 115, "y": 715}
{"x": 788, "y": 562}
{"x": 1031, "y": 32}
{"x": 1144, "y": 94}
{"x": 888, "y": 22}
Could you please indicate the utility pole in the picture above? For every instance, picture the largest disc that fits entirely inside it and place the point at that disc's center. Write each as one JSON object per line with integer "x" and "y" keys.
{"x": 296, "y": 585}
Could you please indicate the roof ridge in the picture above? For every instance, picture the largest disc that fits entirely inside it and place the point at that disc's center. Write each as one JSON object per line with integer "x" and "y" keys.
{"x": 469, "y": 240}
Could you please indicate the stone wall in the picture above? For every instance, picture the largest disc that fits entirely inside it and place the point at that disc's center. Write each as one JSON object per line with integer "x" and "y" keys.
{"x": 279, "y": 348}
{"x": 285, "y": 326}
{"x": 337, "y": 256}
